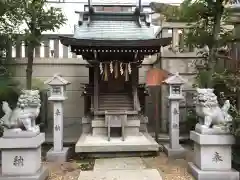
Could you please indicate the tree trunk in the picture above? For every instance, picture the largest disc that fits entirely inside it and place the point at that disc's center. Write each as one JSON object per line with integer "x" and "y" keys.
{"x": 212, "y": 50}
{"x": 29, "y": 66}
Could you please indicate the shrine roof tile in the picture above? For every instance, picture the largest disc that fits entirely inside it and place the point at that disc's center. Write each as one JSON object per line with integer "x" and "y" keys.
{"x": 114, "y": 30}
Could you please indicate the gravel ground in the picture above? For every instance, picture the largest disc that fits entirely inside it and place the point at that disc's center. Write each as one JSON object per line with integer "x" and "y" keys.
{"x": 170, "y": 169}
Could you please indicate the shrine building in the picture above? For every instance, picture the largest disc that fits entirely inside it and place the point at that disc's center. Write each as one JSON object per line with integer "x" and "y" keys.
{"x": 114, "y": 44}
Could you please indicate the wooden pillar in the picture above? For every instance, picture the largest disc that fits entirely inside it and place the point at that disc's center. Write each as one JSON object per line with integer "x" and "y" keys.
{"x": 91, "y": 75}
{"x": 154, "y": 92}
{"x": 136, "y": 104}
{"x": 96, "y": 88}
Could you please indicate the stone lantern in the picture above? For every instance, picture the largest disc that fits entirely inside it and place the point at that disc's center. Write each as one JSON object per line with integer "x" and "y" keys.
{"x": 175, "y": 84}
{"x": 57, "y": 88}
{"x": 57, "y": 95}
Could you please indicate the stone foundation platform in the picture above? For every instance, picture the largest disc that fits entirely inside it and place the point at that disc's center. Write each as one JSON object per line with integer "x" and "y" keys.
{"x": 211, "y": 175}
{"x": 99, "y": 144}
{"x": 174, "y": 153}
{"x": 55, "y": 156}
{"x": 42, "y": 174}
{"x": 212, "y": 157}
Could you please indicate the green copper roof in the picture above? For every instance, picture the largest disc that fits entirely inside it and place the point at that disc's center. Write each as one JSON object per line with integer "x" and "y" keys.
{"x": 114, "y": 26}
{"x": 113, "y": 30}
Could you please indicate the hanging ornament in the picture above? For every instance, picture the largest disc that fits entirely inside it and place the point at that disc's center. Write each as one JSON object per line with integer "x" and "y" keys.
{"x": 116, "y": 70}
{"x": 101, "y": 68}
{"x": 121, "y": 69}
{"x": 105, "y": 72}
{"x": 129, "y": 68}
{"x": 126, "y": 73}
{"x": 111, "y": 67}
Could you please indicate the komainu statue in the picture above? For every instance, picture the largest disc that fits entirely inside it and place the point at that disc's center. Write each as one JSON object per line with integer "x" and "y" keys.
{"x": 209, "y": 111}
{"x": 23, "y": 117}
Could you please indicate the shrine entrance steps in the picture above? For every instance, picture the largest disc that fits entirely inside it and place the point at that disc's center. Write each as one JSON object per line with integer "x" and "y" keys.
{"x": 131, "y": 168}
{"x": 115, "y": 102}
{"x": 88, "y": 143}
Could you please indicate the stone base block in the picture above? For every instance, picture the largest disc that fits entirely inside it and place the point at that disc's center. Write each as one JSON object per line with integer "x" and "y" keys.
{"x": 212, "y": 152}
{"x": 22, "y": 142}
{"x": 21, "y": 156}
{"x": 95, "y": 144}
{"x": 212, "y": 175}
{"x": 210, "y": 131}
{"x": 18, "y": 133}
{"x": 62, "y": 156}
{"x": 175, "y": 153}
{"x": 42, "y": 174}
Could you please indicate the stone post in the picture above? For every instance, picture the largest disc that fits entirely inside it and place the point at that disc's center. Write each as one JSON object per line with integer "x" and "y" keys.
{"x": 174, "y": 149}
{"x": 58, "y": 85}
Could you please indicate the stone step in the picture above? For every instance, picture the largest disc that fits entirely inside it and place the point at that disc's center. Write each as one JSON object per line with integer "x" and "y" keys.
{"x": 114, "y": 99}
{"x": 115, "y": 108}
{"x": 107, "y": 106}
{"x": 129, "y": 131}
{"x": 116, "y": 111}
{"x": 114, "y": 94}
{"x": 116, "y": 102}
{"x": 130, "y": 123}
{"x": 89, "y": 143}
{"x": 120, "y": 96}
{"x": 143, "y": 174}
{"x": 129, "y": 117}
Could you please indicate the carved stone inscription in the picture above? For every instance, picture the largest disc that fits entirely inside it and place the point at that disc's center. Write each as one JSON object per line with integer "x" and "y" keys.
{"x": 57, "y": 113}
{"x": 217, "y": 157}
{"x": 57, "y": 128}
{"x": 18, "y": 161}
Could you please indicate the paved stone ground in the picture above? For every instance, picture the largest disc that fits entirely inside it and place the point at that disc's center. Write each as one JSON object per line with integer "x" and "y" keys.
{"x": 169, "y": 169}
{"x": 120, "y": 169}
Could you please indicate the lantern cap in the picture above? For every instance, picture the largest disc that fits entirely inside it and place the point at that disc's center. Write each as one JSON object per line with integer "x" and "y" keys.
{"x": 57, "y": 80}
{"x": 175, "y": 79}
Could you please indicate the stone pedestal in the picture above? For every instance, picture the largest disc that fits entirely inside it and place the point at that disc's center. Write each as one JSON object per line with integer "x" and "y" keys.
{"x": 58, "y": 153}
{"x": 212, "y": 157}
{"x": 174, "y": 149}
{"x": 58, "y": 156}
{"x": 21, "y": 157}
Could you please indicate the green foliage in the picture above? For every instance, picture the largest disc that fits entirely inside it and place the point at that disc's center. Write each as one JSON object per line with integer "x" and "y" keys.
{"x": 38, "y": 84}
{"x": 191, "y": 119}
{"x": 35, "y": 17}
{"x": 207, "y": 29}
